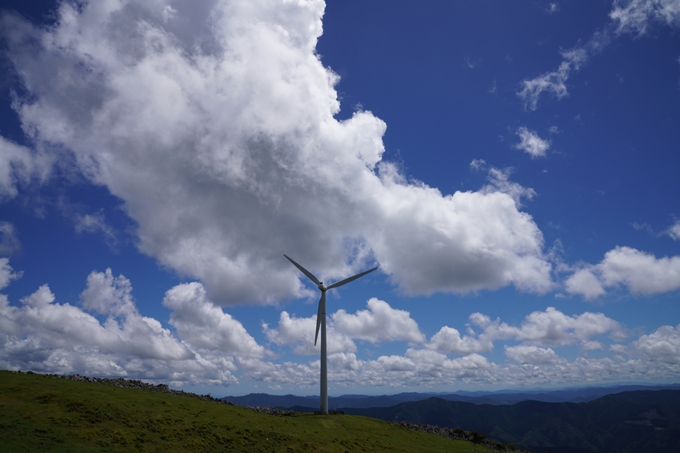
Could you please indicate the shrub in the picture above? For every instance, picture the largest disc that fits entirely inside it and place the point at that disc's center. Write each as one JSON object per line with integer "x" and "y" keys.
{"x": 476, "y": 437}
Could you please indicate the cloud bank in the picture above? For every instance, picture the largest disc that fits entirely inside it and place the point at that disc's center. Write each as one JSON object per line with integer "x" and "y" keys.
{"x": 105, "y": 335}
{"x": 214, "y": 122}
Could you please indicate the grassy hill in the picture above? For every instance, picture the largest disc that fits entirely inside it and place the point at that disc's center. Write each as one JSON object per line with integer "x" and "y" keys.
{"x": 48, "y": 414}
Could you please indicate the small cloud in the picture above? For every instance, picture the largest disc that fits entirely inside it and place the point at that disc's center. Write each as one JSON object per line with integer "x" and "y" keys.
{"x": 478, "y": 164}
{"x": 449, "y": 341}
{"x": 9, "y": 243}
{"x": 7, "y": 274}
{"x": 379, "y": 323}
{"x": 533, "y": 355}
{"x": 553, "y": 130}
{"x": 552, "y": 8}
{"x": 643, "y": 227}
{"x": 493, "y": 87}
{"x": 499, "y": 181}
{"x": 92, "y": 223}
{"x": 531, "y": 143}
{"x": 674, "y": 231}
{"x": 555, "y": 81}
{"x": 168, "y": 13}
{"x": 471, "y": 64}
{"x": 586, "y": 284}
{"x": 592, "y": 346}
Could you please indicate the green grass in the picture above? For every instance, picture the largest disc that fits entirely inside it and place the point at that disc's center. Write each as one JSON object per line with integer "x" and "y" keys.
{"x": 42, "y": 413}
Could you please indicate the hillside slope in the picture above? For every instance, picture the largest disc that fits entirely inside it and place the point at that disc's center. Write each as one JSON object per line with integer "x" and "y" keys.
{"x": 48, "y": 414}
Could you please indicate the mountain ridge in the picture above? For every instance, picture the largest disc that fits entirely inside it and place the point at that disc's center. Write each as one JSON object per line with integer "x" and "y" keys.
{"x": 628, "y": 422}
{"x": 501, "y": 397}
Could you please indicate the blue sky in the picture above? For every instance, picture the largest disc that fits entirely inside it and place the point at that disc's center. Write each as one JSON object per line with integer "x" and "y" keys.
{"x": 511, "y": 167}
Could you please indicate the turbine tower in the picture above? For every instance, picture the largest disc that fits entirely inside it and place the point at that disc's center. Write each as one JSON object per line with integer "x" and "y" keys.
{"x": 321, "y": 322}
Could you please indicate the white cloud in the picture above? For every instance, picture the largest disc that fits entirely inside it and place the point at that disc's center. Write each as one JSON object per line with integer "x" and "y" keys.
{"x": 633, "y": 16}
{"x": 20, "y": 165}
{"x": 592, "y": 346}
{"x": 662, "y": 345}
{"x": 552, "y": 8}
{"x": 9, "y": 242}
{"x": 396, "y": 363}
{"x": 540, "y": 328}
{"x": 499, "y": 181}
{"x": 299, "y": 332}
{"x": 86, "y": 222}
{"x": 210, "y": 347}
{"x": 205, "y": 326}
{"x": 494, "y": 86}
{"x": 585, "y": 283}
{"x": 551, "y": 328}
{"x": 7, "y": 274}
{"x": 533, "y": 355}
{"x": 651, "y": 357}
{"x": 106, "y": 294}
{"x": 46, "y": 336}
{"x": 94, "y": 223}
{"x": 628, "y": 16}
{"x": 214, "y": 123}
{"x": 674, "y": 231}
{"x": 553, "y": 82}
{"x": 449, "y": 341}
{"x": 380, "y": 323}
{"x": 640, "y": 272}
{"x": 531, "y": 143}
{"x": 478, "y": 164}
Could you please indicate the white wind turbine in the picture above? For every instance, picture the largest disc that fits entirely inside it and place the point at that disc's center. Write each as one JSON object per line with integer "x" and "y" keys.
{"x": 321, "y": 321}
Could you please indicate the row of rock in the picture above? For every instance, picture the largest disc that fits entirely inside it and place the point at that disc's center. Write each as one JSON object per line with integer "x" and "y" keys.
{"x": 270, "y": 411}
{"x": 459, "y": 434}
{"x": 135, "y": 384}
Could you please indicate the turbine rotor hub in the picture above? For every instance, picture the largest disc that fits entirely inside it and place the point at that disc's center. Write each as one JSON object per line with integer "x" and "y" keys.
{"x": 322, "y": 287}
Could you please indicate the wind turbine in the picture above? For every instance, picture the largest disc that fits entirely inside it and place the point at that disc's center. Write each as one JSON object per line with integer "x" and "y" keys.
{"x": 321, "y": 322}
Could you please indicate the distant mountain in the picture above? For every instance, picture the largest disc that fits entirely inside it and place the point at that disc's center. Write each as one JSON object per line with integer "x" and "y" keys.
{"x": 495, "y": 398}
{"x": 628, "y": 422}
{"x": 290, "y": 401}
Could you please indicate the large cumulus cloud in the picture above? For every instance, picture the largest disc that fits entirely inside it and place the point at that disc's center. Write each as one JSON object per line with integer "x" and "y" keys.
{"x": 214, "y": 122}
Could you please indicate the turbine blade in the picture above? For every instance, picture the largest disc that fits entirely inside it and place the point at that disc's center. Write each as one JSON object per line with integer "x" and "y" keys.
{"x": 350, "y": 279}
{"x": 318, "y": 316}
{"x": 304, "y": 271}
